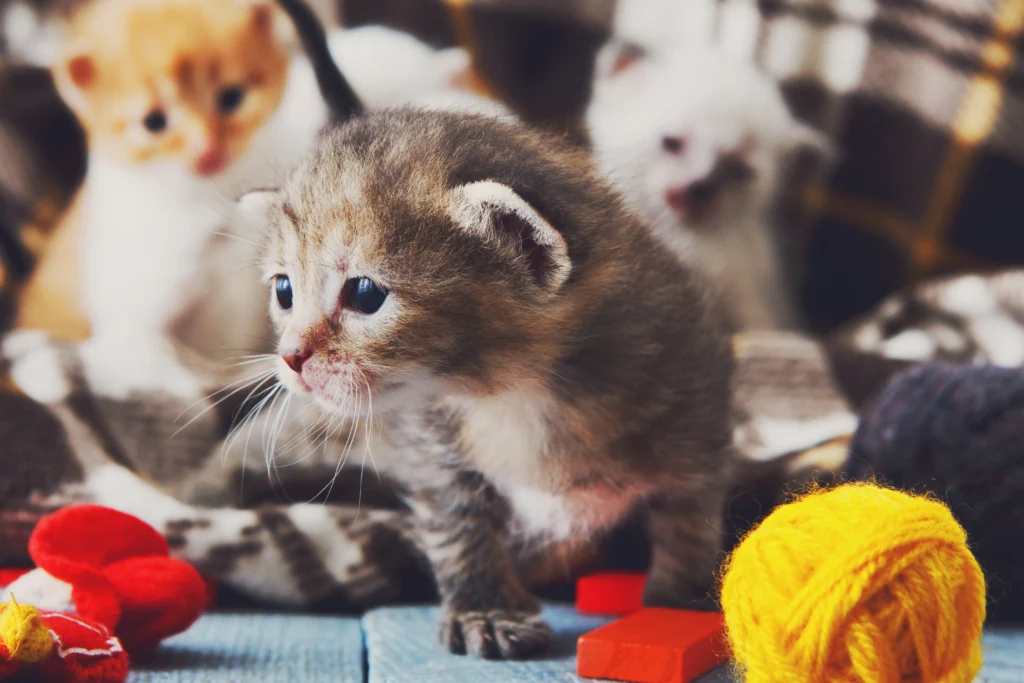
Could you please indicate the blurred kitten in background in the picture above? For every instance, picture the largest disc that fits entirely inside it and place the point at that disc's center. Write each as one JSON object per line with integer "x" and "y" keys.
{"x": 386, "y": 68}
{"x": 187, "y": 104}
{"x": 30, "y": 30}
{"x": 696, "y": 140}
{"x": 177, "y": 99}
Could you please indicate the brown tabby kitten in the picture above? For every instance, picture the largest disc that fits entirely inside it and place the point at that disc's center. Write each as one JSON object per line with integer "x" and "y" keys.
{"x": 533, "y": 365}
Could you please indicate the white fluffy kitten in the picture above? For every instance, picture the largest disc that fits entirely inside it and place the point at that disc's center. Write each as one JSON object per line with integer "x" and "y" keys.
{"x": 696, "y": 140}
{"x": 386, "y": 68}
{"x": 26, "y": 34}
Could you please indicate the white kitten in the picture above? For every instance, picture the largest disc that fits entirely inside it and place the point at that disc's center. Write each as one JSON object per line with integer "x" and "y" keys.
{"x": 696, "y": 140}
{"x": 27, "y": 35}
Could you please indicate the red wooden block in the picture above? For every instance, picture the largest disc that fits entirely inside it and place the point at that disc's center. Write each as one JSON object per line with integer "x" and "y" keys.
{"x": 610, "y": 593}
{"x": 654, "y": 645}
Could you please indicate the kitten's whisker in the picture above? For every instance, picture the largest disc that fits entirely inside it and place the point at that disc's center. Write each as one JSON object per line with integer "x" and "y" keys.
{"x": 267, "y": 456}
{"x": 306, "y": 454}
{"x": 369, "y": 423}
{"x": 249, "y": 352}
{"x": 326, "y": 430}
{"x": 309, "y": 431}
{"x": 248, "y": 362}
{"x": 332, "y": 431}
{"x": 280, "y": 425}
{"x": 269, "y": 399}
{"x": 211, "y": 395}
{"x": 258, "y": 381}
{"x": 251, "y": 356}
{"x": 346, "y": 451}
{"x": 249, "y": 419}
{"x": 328, "y": 487}
{"x": 239, "y": 238}
{"x": 275, "y": 433}
{"x": 362, "y": 465}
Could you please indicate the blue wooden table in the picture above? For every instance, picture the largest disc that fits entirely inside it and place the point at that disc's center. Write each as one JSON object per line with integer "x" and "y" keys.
{"x": 399, "y": 645}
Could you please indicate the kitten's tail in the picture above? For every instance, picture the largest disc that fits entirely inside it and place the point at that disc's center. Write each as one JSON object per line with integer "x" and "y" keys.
{"x": 340, "y": 97}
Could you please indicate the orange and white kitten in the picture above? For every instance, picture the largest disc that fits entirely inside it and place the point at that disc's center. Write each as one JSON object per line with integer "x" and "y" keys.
{"x": 178, "y": 101}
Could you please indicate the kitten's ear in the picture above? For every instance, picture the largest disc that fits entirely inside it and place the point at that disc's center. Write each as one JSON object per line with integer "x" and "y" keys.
{"x": 254, "y": 208}
{"x": 74, "y": 75}
{"x": 268, "y": 22}
{"x": 257, "y": 202}
{"x": 456, "y": 67}
{"x": 503, "y": 218}
{"x": 262, "y": 17}
{"x": 616, "y": 57}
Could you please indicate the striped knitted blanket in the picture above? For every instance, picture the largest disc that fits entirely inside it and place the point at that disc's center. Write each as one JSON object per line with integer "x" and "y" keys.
{"x": 184, "y": 465}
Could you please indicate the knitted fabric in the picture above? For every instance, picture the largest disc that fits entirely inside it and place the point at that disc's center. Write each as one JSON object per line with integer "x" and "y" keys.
{"x": 957, "y": 432}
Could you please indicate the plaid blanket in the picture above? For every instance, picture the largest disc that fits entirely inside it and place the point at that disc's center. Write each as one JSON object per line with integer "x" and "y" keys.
{"x": 924, "y": 100}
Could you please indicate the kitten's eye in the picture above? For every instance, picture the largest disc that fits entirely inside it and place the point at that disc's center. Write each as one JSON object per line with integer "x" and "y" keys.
{"x": 283, "y": 290}
{"x": 673, "y": 144}
{"x": 229, "y": 99}
{"x": 155, "y": 121}
{"x": 364, "y": 295}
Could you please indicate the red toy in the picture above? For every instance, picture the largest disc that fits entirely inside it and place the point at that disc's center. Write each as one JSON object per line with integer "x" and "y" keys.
{"x": 610, "y": 593}
{"x": 57, "y": 648}
{"x": 8, "y": 576}
{"x": 654, "y": 645}
{"x": 112, "y": 569}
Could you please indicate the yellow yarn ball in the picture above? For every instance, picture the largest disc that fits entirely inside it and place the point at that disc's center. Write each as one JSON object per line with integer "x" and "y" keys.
{"x": 23, "y": 633}
{"x": 856, "y": 584}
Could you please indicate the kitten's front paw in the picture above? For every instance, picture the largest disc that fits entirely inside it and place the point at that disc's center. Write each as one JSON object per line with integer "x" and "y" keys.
{"x": 494, "y": 634}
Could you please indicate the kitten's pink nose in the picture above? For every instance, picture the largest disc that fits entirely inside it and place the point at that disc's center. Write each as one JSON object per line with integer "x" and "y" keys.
{"x": 296, "y": 360}
{"x": 211, "y": 160}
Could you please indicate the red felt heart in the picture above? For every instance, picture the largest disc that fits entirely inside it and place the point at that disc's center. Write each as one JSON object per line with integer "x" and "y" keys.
{"x": 121, "y": 573}
{"x": 93, "y": 536}
{"x": 160, "y": 596}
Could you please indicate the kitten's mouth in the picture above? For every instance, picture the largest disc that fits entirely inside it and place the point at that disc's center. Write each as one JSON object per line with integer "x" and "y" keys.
{"x": 323, "y": 386}
{"x": 351, "y": 390}
{"x": 692, "y": 203}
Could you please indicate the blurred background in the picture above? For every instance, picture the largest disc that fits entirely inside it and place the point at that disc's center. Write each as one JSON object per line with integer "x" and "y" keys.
{"x": 922, "y": 100}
